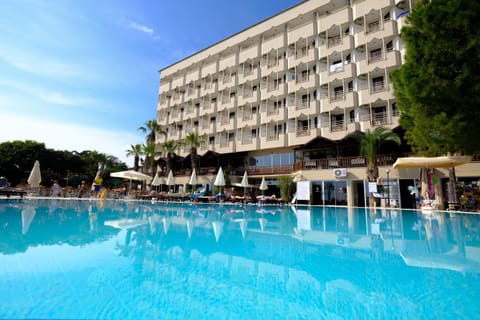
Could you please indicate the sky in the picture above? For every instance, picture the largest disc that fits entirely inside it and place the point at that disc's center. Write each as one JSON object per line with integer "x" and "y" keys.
{"x": 84, "y": 75}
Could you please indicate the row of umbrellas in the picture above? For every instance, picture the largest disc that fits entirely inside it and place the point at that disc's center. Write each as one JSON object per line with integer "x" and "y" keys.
{"x": 35, "y": 178}
{"x": 157, "y": 180}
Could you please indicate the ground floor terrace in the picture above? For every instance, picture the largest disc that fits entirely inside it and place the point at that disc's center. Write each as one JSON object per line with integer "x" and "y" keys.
{"x": 341, "y": 181}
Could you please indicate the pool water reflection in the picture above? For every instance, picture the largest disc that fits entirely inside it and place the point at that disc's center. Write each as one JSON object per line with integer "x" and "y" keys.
{"x": 133, "y": 260}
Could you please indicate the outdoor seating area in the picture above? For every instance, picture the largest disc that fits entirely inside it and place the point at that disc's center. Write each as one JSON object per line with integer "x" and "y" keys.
{"x": 8, "y": 192}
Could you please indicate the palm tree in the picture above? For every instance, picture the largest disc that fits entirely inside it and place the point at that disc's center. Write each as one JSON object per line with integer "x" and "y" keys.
{"x": 152, "y": 127}
{"x": 370, "y": 142}
{"x": 169, "y": 148}
{"x": 150, "y": 153}
{"x": 193, "y": 140}
{"x": 136, "y": 151}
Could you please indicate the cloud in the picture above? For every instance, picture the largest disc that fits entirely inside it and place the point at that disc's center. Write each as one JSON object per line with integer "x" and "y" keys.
{"x": 141, "y": 28}
{"x": 43, "y": 65}
{"x": 68, "y": 136}
{"x": 49, "y": 96}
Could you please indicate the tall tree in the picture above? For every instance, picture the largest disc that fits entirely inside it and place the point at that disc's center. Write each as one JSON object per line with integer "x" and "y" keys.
{"x": 438, "y": 87}
{"x": 151, "y": 127}
{"x": 136, "y": 151}
{"x": 150, "y": 152}
{"x": 169, "y": 149}
{"x": 193, "y": 140}
{"x": 370, "y": 143}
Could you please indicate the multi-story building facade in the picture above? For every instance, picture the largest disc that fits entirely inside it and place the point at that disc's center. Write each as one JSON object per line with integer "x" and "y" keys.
{"x": 276, "y": 91}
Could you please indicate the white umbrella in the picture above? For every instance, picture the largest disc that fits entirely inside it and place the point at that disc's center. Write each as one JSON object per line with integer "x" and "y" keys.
{"x": 220, "y": 179}
{"x": 157, "y": 180}
{"x": 263, "y": 185}
{"x": 170, "y": 179}
{"x": 193, "y": 178}
{"x": 132, "y": 175}
{"x": 35, "y": 176}
{"x": 244, "y": 183}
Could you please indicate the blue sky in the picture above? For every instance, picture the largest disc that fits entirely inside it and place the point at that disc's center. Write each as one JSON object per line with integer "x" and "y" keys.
{"x": 83, "y": 74}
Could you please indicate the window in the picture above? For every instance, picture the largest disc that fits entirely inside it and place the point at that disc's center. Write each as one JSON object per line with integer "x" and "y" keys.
{"x": 375, "y": 55}
{"x": 304, "y": 75}
{"x": 231, "y": 115}
{"x": 374, "y": 26}
{"x": 352, "y": 116}
{"x": 378, "y": 84}
{"x": 338, "y": 93}
{"x": 305, "y": 99}
{"x": 254, "y": 133}
{"x": 350, "y": 86}
{"x": 389, "y": 46}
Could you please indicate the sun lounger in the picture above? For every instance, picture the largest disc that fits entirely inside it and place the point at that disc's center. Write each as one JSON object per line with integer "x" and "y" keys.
{"x": 12, "y": 192}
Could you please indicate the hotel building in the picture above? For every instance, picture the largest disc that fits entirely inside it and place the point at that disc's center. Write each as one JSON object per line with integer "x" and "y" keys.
{"x": 281, "y": 96}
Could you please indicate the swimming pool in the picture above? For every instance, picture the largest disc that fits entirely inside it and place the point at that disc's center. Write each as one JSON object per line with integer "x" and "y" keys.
{"x": 74, "y": 259}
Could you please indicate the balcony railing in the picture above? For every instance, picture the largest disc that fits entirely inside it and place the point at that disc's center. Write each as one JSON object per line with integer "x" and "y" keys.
{"x": 343, "y": 162}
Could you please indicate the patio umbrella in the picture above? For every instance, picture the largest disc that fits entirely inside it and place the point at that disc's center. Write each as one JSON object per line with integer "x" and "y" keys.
{"x": 193, "y": 178}
{"x": 132, "y": 175}
{"x": 244, "y": 183}
{"x": 35, "y": 176}
{"x": 157, "y": 180}
{"x": 170, "y": 179}
{"x": 220, "y": 179}
{"x": 263, "y": 185}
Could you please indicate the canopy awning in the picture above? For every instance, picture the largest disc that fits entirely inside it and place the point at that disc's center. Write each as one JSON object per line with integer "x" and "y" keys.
{"x": 431, "y": 162}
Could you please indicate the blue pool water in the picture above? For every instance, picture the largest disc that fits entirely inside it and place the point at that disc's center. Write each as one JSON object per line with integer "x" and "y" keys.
{"x": 74, "y": 259}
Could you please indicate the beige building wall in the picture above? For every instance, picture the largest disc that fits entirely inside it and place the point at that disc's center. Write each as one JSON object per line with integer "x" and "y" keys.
{"x": 320, "y": 68}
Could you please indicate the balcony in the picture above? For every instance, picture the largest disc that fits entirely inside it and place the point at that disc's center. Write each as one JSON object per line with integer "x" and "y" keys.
{"x": 343, "y": 162}
{"x": 376, "y": 31}
{"x": 334, "y": 18}
{"x": 273, "y": 140}
{"x": 362, "y": 8}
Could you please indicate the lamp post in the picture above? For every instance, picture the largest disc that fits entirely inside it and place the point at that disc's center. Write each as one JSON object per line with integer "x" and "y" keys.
{"x": 387, "y": 171}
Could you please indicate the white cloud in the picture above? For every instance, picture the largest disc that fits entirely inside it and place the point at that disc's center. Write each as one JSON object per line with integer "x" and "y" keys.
{"x": 141, "y": 28}
{"x": 43, "y": 65}
{"x": 68, "y": 136}
{"x": 45, "y": 95}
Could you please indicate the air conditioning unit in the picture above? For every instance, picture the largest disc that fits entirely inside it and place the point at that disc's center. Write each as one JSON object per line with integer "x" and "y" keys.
{"x": 340, "y": 172}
